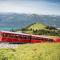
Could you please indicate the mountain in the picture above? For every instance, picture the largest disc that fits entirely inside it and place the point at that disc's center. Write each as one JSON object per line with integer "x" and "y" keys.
{"x": 14, "y": 21}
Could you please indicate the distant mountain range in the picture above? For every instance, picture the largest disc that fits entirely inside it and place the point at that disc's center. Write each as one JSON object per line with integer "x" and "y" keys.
{"x": 15, "y": 21}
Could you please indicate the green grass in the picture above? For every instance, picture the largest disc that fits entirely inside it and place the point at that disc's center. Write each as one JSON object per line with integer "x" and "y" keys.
{"x": 37, "y": 26}
{"x": 39, "y": 51}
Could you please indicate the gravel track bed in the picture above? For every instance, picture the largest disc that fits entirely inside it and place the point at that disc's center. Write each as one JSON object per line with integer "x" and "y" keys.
{"x": 7, "y": 45}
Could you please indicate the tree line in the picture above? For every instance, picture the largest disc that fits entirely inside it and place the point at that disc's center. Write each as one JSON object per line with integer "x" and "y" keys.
{"x": 49, "y": 30}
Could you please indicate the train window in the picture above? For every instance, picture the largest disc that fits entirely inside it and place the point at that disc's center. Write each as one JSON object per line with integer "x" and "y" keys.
{"x": 50, "y": 40}
{"x": 20, "y": 36}
{"x": 37, "y": 38}
{"x": 4, "y": 35}
{"x": 34, "y": 38}
{"x": 0, "y": 35}
{"x": 41, "y": 38}
{"x": 45, "y": 39}
{"x": 10, "y": 36}
{"x": 7, "y": 35}
{"x": 29, "y": 37}
{"x": 24, "y": 36}
{"x": 14, "y": 36}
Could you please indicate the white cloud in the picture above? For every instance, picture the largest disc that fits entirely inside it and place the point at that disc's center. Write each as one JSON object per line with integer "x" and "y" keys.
{"x": 30, "y": 7}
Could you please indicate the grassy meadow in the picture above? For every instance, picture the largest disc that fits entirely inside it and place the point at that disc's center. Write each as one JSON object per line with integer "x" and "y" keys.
{"x": 37, "y": 26}
{"x": 37, "y": 51}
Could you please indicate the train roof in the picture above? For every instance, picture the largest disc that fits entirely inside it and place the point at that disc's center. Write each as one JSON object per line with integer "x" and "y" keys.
{"x": 11, "y": 32}
{"x": 25, "y": 34}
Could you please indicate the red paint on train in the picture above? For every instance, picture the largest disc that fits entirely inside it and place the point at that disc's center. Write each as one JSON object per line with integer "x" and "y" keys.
{"x": 24, "y": 38}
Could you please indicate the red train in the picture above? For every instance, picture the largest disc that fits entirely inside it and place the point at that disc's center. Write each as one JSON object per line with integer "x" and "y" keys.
{"x": 13, "y": 37}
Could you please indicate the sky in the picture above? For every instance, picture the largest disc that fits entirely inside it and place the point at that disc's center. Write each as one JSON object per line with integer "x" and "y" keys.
{"x": 42, "y": 7}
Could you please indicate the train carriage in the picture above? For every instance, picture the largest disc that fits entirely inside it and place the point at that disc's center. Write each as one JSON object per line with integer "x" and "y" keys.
{"x": 13, "y": 37}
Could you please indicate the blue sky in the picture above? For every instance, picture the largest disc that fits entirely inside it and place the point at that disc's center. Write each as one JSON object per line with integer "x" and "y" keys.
{"x": 46, "y": 7}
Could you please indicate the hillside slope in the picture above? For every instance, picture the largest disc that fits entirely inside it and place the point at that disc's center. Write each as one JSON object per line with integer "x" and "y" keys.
{"x": 41, "y": 29}
{"x": 41, "y": 51}
{"x": 37, "y": 26}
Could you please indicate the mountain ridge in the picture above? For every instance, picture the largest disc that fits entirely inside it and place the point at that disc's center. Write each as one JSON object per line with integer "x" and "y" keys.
{"x": 15, "y": 21}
